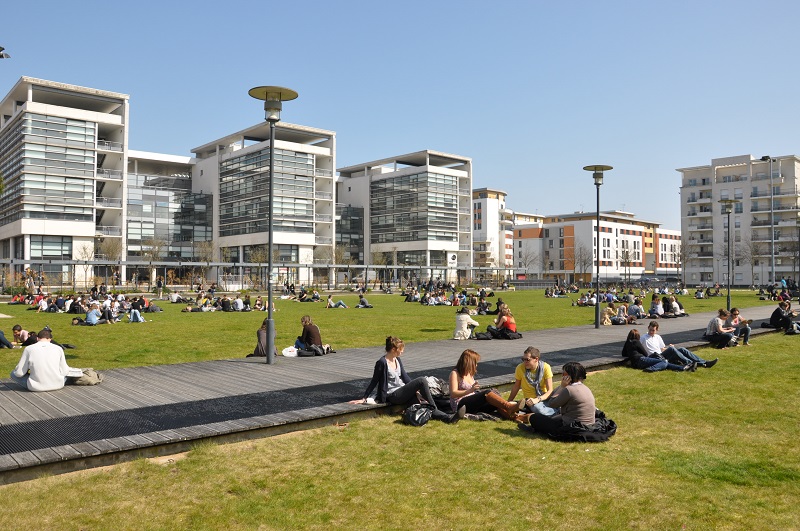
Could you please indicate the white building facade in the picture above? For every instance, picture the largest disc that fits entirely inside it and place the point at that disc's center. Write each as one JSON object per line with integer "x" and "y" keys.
{"x": 492, "y": 237}
{"x": 417, "y": 211}
{"x": 764, "y": 217}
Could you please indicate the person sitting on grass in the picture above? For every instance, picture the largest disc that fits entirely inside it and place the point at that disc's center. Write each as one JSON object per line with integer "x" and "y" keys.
{"x": 505, "y": 322}
{"x": 782, "y": 316}
{"x": 466, "y": 392}
{"x": 362, "y": 302}
{"x": 535, "y": 378}
{"x": 97, "y": 317}
{"x": 635, "y": 352}
{"x": 740, "y": 326}
{"x": 309, "y": 336}
{"x": 654, "y": 344}
{"x": 391, "y": 384}
{"x": 465, "y": 325}
{"x": 717, "y": 333}
{"x": 338, "y": 304}
{"x": 656, "y": 308}
{"x": 575, "y": 400}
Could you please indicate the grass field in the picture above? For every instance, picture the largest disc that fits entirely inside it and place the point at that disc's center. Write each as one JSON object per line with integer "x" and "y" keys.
{"x": 175, "y": 337}
{"x": 715, "y": 449}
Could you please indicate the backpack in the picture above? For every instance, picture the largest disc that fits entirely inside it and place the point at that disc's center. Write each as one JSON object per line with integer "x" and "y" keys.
{"x": 418, "y": 414}
{"x": 483, "y": 335}
{"x": 90, "y": 377}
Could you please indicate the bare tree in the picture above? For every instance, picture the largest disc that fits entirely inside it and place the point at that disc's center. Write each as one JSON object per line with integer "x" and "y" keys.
{"x": 683, "y": 261}
{"x": 152, "y": 248}
{"x": 583, "y": 258}
{"x": 528, "y": 259}
{"x": 86, "y": 253}
{"x": 259, "y": 255}
{"x": 626, "y": 259}
{"x": 750, "y": 252}
{"x": 110, "y": 248}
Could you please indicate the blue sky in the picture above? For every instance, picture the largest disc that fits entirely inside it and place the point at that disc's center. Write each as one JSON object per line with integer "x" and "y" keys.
{"x": 532, "y": 91}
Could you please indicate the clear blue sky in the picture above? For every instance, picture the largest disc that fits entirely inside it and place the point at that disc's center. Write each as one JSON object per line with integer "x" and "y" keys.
{"x": 532, "y": 91}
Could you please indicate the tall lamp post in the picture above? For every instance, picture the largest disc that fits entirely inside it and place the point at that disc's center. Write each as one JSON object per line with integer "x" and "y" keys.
{"x": 272, "y": 97}
{"x": 597, "y": 174}
{"x": 767, "y": 158}
{"x": 727, "y": 208}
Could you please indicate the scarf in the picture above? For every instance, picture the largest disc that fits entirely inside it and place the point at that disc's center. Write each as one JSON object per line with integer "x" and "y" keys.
{"x": 535, "y": 381}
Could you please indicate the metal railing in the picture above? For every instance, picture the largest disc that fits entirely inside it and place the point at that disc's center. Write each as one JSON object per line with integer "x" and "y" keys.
{"x": 109, "y": 174}
{"x": 108, "y": 230}
{"x": 109, "y": 146}
{"x": 323, "y": 217}
{"x": 109, "y": 202}
{"x": 323, "y": 195}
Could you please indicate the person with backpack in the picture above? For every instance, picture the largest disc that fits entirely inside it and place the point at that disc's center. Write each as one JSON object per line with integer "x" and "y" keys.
{"x": 391, "y": 384}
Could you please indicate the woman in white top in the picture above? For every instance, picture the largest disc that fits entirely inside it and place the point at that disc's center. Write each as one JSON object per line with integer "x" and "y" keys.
{"x": 464, "y": 324}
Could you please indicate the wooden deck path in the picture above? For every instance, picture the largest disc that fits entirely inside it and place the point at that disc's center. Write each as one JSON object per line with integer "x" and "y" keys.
{"x": 147, "y": 411}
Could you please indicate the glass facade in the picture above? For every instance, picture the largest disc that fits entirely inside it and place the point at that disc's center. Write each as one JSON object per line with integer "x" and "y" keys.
{"x": 350, "y": 233}
{"x": 416, "y": 207}
{"x": 244, "y": 193}
{"x": 48, "y": 164}
{"x": 163, "y": 212}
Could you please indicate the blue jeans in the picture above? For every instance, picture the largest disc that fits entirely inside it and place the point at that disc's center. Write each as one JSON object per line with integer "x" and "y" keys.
{"x": 135, "y": 316}
{"x": 656, "y": 364}
{"x": 743, "y": 331}
{"x": 340, "y": 304}
{"x": 4, "y": 343}
{"x": 720, "y": 339}
{"x": 682, "y": 356}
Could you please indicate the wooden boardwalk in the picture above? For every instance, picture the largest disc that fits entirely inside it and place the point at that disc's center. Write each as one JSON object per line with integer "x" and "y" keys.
{"x": 164, "y": 409}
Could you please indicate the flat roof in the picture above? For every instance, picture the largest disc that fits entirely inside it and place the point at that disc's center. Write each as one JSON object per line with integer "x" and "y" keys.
{"x": 417, "y": 158}
{"x": 299, "y": 134}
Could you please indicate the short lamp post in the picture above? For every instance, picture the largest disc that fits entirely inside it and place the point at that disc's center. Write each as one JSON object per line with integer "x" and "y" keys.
{"x": 597, "y": 174}
{"x": 272, "y": 97}
{"x": 727, "y": 208}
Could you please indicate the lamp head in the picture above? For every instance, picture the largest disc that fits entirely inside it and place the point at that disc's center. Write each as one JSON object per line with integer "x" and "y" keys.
{"x": 597, "y": 172}
{"x": 272, "y": 96}
{"x": 3, "y": 54}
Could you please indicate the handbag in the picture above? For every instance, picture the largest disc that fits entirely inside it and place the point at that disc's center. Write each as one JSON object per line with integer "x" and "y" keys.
{"x": 418, "y": 414}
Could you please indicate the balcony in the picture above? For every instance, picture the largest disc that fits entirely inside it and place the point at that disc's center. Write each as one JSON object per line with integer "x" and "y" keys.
{"x": 325, "y": 218}
{"x": 107, "y": 230}
{"x": 464, "y": 247}
{"x": 109, "y": 174}
{"x": 323, "y": 195}
{"x": 321, "y": 240}
{"x": 323, "y": 173}
{"x": 731, "y": 178}
{"x": 463, "y": 210}
{"x": 464, "y": 191}
{"x": 105, "y": 145}
{"x": 108, "y": 202}
{"x": 776, "y": 178}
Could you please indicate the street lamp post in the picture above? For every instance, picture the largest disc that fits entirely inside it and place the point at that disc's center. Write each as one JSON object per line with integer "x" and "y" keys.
{"x": 767, "y": 158}
{"x": 597, "y": 174}
{"x": 272, "y": 97}
{"x": 727, "y": 208}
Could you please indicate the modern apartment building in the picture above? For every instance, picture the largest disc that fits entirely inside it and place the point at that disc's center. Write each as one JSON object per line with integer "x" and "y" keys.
{"x": 74, "y": 190}
{"x": 765, "y": 216}
{"x": 563, "y": 248}
{"x": 63, "y": 158}
{"x": 492, "y": 238}
{"x": 235, "y": 170}
{"x": 417, "y": 210}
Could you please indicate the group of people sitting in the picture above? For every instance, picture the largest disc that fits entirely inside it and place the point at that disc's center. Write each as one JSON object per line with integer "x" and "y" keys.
{"x": 649, "y": 353}
{"x": 206, "y": 302}
{"x": 503, "y": 327}
{"x": 568, "y": 410}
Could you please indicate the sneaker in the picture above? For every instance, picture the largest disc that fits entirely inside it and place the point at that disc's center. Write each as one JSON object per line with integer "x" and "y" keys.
{"x": 689, "y": 367}
{"x": 711, "y": 363}
{"x": 526, "y": 428}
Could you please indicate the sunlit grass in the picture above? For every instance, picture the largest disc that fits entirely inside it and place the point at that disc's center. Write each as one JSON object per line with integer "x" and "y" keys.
{"x": 175, "y": 337}
{"x": 715, "y": 449}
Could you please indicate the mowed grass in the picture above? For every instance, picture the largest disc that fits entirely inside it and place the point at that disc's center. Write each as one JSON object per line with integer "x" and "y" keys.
{"x": 715, "y": 449}
{"x": 175, "y": 337}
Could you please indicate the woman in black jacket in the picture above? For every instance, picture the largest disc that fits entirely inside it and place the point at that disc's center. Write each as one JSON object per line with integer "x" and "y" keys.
{"x": 641, "y": 359}
{"x": 391, "y": 383}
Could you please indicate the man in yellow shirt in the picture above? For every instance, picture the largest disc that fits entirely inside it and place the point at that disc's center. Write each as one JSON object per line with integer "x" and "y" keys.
{"x": 535, "y": 378}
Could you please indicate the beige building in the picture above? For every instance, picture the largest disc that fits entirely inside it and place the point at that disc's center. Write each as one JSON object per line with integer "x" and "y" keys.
{"x": 765, "y": 217}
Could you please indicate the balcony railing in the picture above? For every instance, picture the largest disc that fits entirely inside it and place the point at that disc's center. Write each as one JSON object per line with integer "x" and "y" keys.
{"x": 107, "y": 230}
{"x": 731, "y": 178}
{"x": 109, "y": 174}
{"x": 464, "y": 247}
{"x": 323, "y": 217}
{"x": 323, "y": 195}
{"x": 109, "y": 202}
{"x": 323, "y": 173}
{"x": 775, "y": 178}
{"x": 109, "y": 146}
{"x": 319, "y": 240}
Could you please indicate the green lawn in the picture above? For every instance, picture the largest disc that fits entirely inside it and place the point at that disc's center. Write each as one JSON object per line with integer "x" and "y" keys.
{"x": 714, "y": 449}
{"x": 175, "y": 337}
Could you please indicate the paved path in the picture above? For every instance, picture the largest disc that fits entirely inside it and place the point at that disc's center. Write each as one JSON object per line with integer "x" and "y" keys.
{"x": 164, "y": 409}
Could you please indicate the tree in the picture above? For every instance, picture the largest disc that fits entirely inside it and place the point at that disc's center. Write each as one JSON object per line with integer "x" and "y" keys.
{"x": 626, "y": 259}
{"x": 151, "y": 250}
{"x": 86, "y": 254}
{"x": 259, "y": 254}
{"x": 378, "y": 259}
{"x": 583, "y": 258}
{"x": 750, "y": 252}
{"x": 528, "y": 259}
{"x": 110, "y": 248}
{"x": 683, "y": 261}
